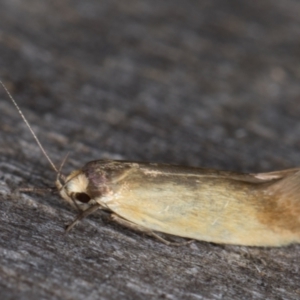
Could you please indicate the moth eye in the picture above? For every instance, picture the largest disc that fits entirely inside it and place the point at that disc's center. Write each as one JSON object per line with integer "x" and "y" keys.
{"x": 82, "y": 197}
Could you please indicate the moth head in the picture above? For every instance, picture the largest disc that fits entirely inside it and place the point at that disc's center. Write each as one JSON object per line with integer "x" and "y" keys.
{"x": 74, "y": 189}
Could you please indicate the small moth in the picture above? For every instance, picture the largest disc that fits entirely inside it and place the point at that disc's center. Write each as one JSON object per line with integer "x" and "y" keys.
{"x": 260, "y": 209}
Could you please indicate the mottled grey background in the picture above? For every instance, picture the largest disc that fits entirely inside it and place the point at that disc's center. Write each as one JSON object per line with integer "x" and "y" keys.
{"x": 205, "y": 83}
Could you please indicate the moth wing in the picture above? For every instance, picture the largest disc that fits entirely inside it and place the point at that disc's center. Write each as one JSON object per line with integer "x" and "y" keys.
{"x": 276, "y": 174}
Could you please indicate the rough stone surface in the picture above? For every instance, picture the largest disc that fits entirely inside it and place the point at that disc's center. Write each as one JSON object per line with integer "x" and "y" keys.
{"x": 208, "y": 83}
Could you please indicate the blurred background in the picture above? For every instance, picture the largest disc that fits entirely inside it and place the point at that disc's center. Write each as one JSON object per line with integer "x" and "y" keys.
{"x": 212, "y": 83}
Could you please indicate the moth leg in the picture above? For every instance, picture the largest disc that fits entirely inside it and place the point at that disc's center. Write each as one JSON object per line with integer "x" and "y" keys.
{"x": 143, "y": 229}
{"x": 37, "y": 190}
{"x": 75, "y": 203}
{"x": 82, "y": 215}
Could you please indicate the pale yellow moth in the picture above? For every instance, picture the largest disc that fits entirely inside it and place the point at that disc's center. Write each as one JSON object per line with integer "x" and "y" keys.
{"x": 260, "y": 209}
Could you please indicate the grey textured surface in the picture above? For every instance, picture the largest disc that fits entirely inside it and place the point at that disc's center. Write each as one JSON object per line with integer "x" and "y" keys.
{"x": 205, "y": 83}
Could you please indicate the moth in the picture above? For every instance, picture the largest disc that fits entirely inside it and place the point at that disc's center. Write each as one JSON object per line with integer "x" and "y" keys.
{"x": 260, "y": 209}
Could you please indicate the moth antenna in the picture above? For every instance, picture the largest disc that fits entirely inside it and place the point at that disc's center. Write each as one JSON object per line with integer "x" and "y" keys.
{"x": 59, "y": 174}
{"x": 29, "y": 127}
